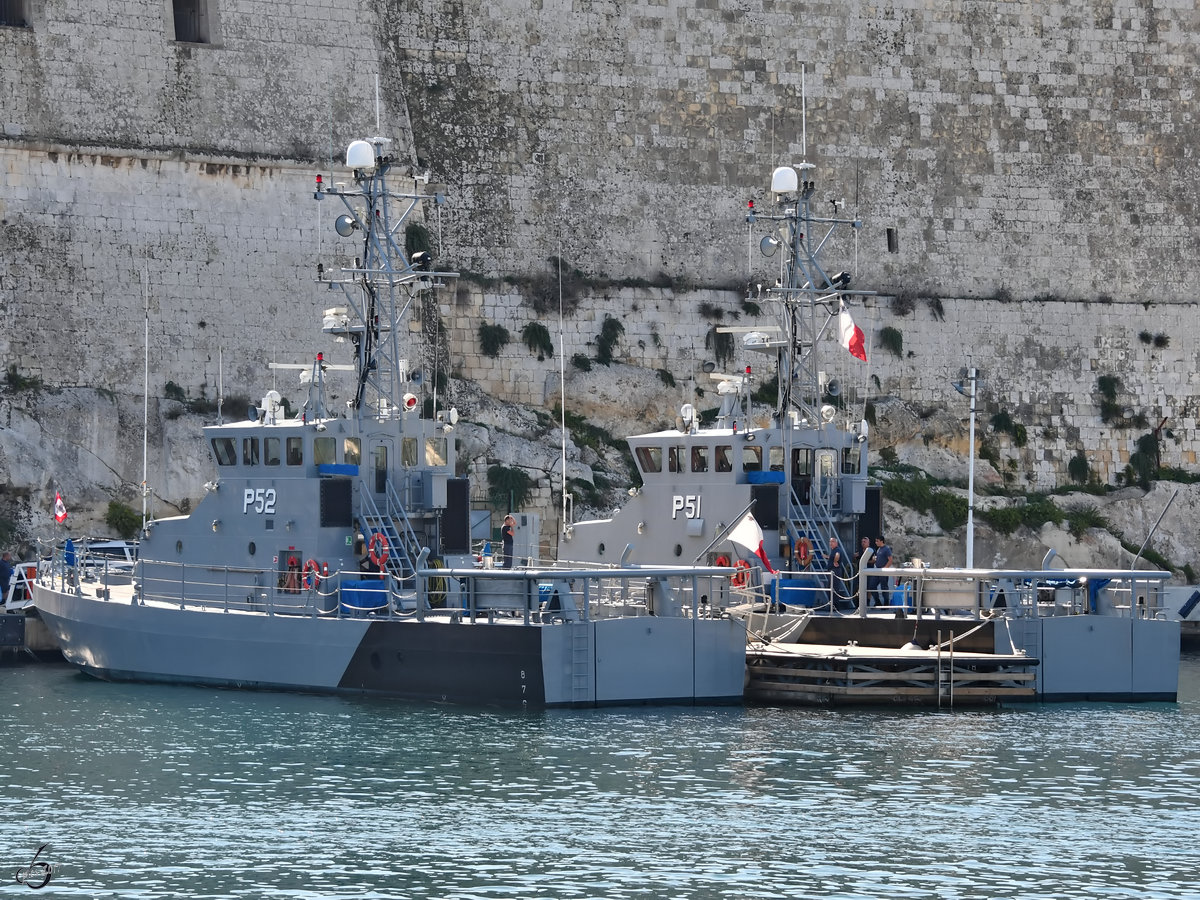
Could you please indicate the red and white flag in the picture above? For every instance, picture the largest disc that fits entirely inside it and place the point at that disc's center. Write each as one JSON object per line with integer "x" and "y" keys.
{"x": 851, "y": 335}
{"x": 60, "y": 510}
{"x": 749, "y": 536}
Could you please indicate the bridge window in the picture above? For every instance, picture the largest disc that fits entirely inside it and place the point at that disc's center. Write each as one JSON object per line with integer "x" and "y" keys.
{"x": 752, "y": 459}
{"x": 225, "y": 451}
{"x": 851, "y": 457}
{"x": 435, "y": 451}
{"x": 775, "y": 457}
{"x": 324, "y": 450}
{"x": 699, "y": 459}
{"x": 408, "y": 452}
{"x": 675, "y": 459}
{"x": 250, "y": 451}
{"x": 649, "y": 459}
{"x": 295, "y": 451}
{"x": 352, "y": 451}
{"x": 271, "y": 451}
{"x": 724, "y": 459}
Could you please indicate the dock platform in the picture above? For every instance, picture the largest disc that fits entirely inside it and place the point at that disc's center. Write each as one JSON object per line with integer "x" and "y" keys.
{"x": 827, "y": 675}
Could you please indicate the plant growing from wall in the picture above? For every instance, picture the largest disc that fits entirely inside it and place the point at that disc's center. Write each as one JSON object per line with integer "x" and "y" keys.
{"x": 1002, "y": 422}
{"x": 606, "y": 342}
{"x": 1143, "y": 462}
{"x": 666, "y": 378}
{"x": 416, "y": 239}
{"x": 1080, "y": 519}
{"x": 1107, "y": 387}
{"x": 1078, "y": 468}
{"x": 537, "y": 339}
{"x": 492, "y": 339}
{"x": 892, "y": 341}
{"x": 720, "y": 343}
{"x": 582, "y": 362}
{"x": 18, "y": 382}
{"x": 122, "y": 520}
{"x": 508, "y": 488}
{"x": 711, "y": 312}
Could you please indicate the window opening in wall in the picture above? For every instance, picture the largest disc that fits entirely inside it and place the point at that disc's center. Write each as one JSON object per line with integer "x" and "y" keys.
{"x": 12, "y": 13}
{"x": 191, "y": 21}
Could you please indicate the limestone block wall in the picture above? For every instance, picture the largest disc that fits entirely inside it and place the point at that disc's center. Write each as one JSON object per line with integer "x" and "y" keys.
{"x": 1014, "y": 150}
{"x": 1033, "y": 159}
{"x": 1040, "y": 363}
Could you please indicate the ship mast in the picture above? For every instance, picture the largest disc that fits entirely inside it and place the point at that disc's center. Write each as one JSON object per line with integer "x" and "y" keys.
{"x": 383, "y": 281}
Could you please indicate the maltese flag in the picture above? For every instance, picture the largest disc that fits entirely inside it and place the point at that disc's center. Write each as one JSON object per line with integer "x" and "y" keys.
{"x": 60, "y": 510}
{"x": 749, "y": 536}
{"x": 851, "y": 335}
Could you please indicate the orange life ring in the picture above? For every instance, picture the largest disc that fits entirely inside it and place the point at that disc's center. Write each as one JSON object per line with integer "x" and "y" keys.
{"x": 312, "y": 574}
{"x": 377, "y": 550}
{"x": 740, "y": 572}
{"x": 721, "y": 561}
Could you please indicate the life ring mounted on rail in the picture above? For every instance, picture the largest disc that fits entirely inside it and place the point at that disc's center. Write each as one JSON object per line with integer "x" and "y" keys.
{"x": 311, "y": 577}
{"x": 741, "y": 572}
{"x": 377, "y": 550}
{"x": 721, "y": 561}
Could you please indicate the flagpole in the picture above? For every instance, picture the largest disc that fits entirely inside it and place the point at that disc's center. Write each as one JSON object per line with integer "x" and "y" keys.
{"x": 145, "y": 394}
{"x": 971, "y": 373}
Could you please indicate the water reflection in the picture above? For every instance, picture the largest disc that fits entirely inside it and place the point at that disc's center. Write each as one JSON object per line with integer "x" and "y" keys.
{"x": 145, "y": 791}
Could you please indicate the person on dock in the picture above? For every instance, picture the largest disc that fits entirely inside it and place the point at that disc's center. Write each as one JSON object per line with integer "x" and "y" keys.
{"x": 507, "y": 532}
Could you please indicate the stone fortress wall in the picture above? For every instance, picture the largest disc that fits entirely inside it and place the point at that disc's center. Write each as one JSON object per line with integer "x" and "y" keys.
{"x": 1031, "y": 164}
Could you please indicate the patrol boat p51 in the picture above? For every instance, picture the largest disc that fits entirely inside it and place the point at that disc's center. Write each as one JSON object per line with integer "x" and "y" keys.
{"x": 769, "y": 483}
{"x": 262, "y": 585}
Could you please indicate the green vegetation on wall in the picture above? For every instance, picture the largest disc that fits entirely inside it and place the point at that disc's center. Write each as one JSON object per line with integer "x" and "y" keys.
{"x": 492, "y": 339}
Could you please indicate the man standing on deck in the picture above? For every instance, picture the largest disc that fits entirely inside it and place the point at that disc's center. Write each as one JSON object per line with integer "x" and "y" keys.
{"x": 506, "y": 535}
{"x": 839, "y": 568}
{"x": 883, "y": 583}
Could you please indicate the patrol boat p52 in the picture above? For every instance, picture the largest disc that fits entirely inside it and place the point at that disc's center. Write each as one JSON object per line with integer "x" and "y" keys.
{"x": 261, "y": 585}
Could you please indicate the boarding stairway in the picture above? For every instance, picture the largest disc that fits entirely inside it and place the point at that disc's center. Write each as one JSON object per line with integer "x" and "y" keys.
{"x": 404, "y": 547}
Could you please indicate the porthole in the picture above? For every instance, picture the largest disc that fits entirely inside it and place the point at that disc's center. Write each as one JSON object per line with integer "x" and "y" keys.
{"x": 678, "y": 550}
{"x": 600, "y": 549}
{"x": 252, "y": 548}
{"x": 178, "y": 547}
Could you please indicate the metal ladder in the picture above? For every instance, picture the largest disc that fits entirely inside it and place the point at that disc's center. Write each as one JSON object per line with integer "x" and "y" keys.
{"x": 583, "y": 689}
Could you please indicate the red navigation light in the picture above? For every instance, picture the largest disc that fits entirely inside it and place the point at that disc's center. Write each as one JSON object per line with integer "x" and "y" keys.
{"x": 750, "y": 204}
{"x": 318, "y": 179}
{"x": 321, "y": 357}
{"x": 747, "y": 370}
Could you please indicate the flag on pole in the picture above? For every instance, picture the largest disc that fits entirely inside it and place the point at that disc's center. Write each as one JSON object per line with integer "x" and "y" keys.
{"x": 748, "y": 535}
{"x": 851, "y": 335}
{"x": 60, "y": 510}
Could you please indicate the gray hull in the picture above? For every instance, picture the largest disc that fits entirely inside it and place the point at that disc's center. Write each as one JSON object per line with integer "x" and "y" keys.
{"x": 502, "y": 662}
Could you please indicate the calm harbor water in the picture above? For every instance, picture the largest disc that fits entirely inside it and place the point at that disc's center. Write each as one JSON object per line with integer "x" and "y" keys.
{"x": 173, "y": 792}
